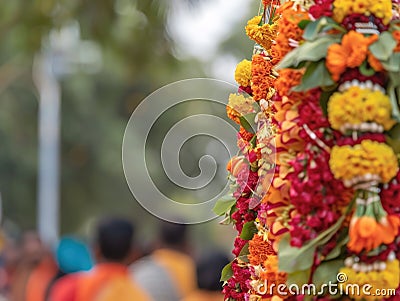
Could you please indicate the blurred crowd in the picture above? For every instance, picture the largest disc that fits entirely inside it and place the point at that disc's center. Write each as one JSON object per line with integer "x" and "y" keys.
{"x": 112, "y": 267}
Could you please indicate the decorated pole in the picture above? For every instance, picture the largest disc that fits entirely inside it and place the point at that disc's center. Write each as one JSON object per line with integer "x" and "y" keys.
{"x": 315, "y": 189}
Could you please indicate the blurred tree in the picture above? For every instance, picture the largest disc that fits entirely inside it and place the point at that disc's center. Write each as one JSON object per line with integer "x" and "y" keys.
{"x": 137, "y": 59}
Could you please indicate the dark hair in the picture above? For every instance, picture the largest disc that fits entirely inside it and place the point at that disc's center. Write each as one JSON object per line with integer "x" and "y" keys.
{"x": 209, "y": 269}
{"x": 173, "y": 235}
{"x": 115, "y": 238}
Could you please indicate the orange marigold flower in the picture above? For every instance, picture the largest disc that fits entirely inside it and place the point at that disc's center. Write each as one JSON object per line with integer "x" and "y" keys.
{"x": 272, "y": 274}
{"x": 350, "y": 53}
{"x": 259, "y": 250}
{"x": 396, "y": 36}
{"x": 335, "y": 61}
{"x": 233, "y": 114}
{"x": 264, "y": 34}
{"x": 288, "y": 78}
{"x": 288, "y": 29}
{"x": 262, "y": 79}
{"x": 245, "y": 134}
{"x": 367, "y": 234}
{"x": 374, "y": 63}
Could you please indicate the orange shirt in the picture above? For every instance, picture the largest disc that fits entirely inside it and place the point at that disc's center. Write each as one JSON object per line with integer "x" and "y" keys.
{"x": 64, "y": 289}
{"x": 201, "y": 295}
{"x": 39, "y": 279}
{"x": 181, "y": 268}
{"x": 105, "y": 281}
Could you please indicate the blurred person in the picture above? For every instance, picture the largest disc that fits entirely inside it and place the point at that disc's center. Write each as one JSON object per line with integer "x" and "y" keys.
{"x": 72, "y": 256}
{"x": 208, "y": 270}
{"x": 109, "y": 280}
{"x": 35, "y": 270}
{"x": 10, "y": 256}
{"x": 169, "y": 272}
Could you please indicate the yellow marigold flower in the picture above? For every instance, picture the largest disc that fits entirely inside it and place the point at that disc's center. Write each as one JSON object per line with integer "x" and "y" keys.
{"x": 369, "y": 157}
{"x": 264, "y": 34}
{"x": 356, "y": 106}
{"x": 387, "y": 279}
{"x": 243, "y": 73}
{"x": 239, "y": 105}
{"x": 380, "y": 8}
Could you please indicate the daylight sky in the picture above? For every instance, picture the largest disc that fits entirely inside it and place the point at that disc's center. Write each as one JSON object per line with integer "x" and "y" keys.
{"x": 199, "y": 31}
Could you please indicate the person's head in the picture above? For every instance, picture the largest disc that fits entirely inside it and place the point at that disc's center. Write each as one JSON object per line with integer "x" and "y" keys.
{"x": 209, "y": 269}
{"x": 173, "y": 235}
{"x": 114, "y": 239}
{"x": 72, "y": 255}
{"x": 31, "y": 247}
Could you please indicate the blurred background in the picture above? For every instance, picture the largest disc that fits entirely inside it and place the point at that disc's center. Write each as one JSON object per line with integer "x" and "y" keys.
{"x": 104, "y": 57}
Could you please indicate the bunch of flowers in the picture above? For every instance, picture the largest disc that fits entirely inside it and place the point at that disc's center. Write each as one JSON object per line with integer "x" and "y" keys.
{"x": 383, "y": 276}
{"x": 357, "y": 107}
{"x": 316, "y": 185}
{"x": 379, "y": 8}
{"x": 369, "y": 160}
{"x": 263, "y": 34}
{"x": 350, "y": 53}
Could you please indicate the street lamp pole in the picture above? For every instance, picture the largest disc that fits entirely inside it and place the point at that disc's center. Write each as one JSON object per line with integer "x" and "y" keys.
{"x": 49, "y": 148}
{"x": 63, "y": 53}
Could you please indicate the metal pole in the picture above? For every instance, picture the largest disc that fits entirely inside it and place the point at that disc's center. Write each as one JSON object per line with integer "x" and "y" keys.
{"x": 49, "y": 148}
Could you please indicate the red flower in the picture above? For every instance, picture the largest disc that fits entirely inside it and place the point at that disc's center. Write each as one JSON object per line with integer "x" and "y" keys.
{"x": 321, "y": 8}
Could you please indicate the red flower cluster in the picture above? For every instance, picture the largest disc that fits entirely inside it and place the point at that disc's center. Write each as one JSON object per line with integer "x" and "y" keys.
{"x": 390, "y": 196}
{"x": 350, "y": 21}
{"x": 345, "y": 140}
{"x": 354, "y": 73}
{"x": 321, "y": 8}
{"x": 238, "y": 285}
{"x": 317, "y": 196}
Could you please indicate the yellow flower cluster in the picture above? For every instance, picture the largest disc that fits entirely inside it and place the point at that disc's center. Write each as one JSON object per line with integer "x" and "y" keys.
{"x": 356, "y": 106}
{"x": 369, "y": 157}
{"x": 380, "y": 8}
{"x": 239, "y": 105}
{"x": 264, "y": 34}
{"x": 243, "y": 73}
{"x": 372, "y": 285}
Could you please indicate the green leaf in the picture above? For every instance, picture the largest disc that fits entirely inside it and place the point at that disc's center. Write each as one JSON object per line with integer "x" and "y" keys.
{"x": 292, "y": 259}
{"x": 316, "y": 75}
{"x": 391, "y": 91}
{"x": 299, "y": 278}
{"x": 327, "y": 272}
{"x": 303, "y": 23}
{"x": 393, "y": 138}
{"x": 248, "y": 231}
{"x": 253, "y": 141}
{"x": 337, "y": 250}
{"x": 227, "y": 272}
{"x": 314, "y": 29}
{"x": 245, "y": 250}
{"x": 383, "y": 48}
{"x": 244, "y": 258}
{"x": 323, "y": 101}
{"x": 366, "y": 70}
{"x": 393, "y": 64}
{"x": 309, "y": 51}
{"x": 224, "y": 205}
{"x": 248, "y": 123}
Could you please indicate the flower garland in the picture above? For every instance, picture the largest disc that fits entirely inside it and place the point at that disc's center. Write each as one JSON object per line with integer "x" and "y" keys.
{"x": 316, "y": 185}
